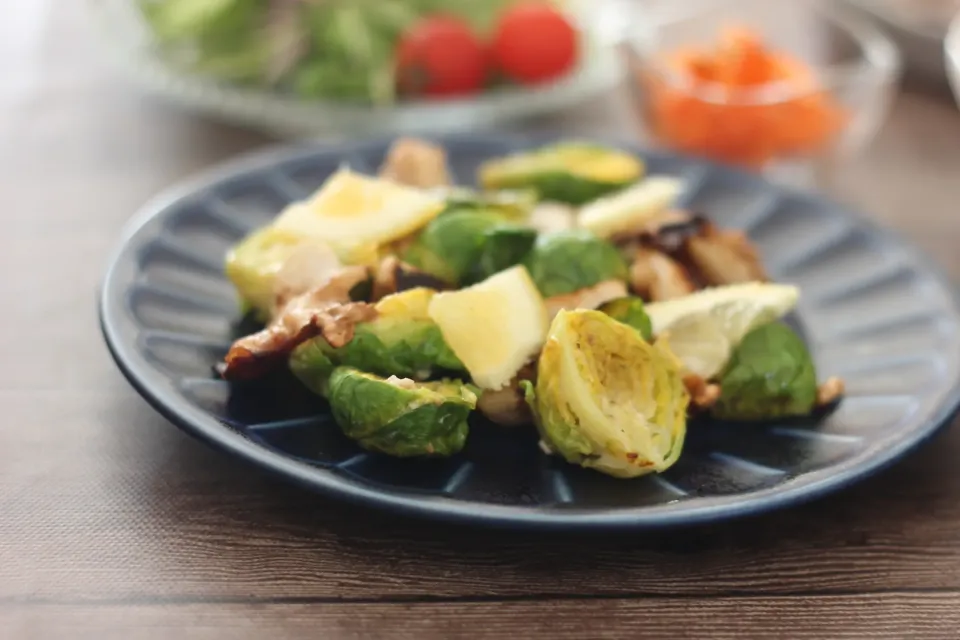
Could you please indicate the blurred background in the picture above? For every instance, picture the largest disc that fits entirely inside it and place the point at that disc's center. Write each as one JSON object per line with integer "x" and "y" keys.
{"x": 795, "y": 88}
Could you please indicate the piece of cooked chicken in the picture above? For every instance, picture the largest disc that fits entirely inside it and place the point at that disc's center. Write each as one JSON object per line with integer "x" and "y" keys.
{"x": 507, "y": 406}
{"x": 586, "y": 298}
{"x": 722, "y": 257}
{"x": 655, "y": 276}
{"x": 325, "y": 310}
{"x": 416, "y": 163}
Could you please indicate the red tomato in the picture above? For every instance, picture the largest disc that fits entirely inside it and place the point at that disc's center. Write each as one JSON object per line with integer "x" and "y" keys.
{"x": 441, "y": 56}
{"x": 534, "y": 43}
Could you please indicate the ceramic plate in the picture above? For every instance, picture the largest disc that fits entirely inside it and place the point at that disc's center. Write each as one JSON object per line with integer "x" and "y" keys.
{"x": 873, "y": 311}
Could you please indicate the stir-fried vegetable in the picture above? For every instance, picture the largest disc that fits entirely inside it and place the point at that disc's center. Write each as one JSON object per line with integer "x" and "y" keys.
{"x": 603, "y": 337}
{"x": 400, "y": 417}
{"x": 606, "y": 399}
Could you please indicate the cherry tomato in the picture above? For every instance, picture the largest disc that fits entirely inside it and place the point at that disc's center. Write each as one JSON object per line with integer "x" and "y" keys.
{"x": 534, "y": 42}
{"x": 441, "y": 56}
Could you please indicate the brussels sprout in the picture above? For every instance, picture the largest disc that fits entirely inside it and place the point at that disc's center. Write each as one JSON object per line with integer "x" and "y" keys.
{"x": 512, "y": 204}
{"x": 630, "y": 311}
{"x": 504, "y": 246}
{"x": 463, "y": 246}
{"x": 571, "y": 260}
{"x": 571, "y": 172}
{"x": 400, "y": 417}
{"x": 401, "y": 341}
{"x": 606, "y": 399}
{"x": 770, "y": 375}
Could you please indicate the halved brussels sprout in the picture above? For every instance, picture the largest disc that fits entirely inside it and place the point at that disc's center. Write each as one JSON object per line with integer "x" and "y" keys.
{"x": 770, "y": 375}
{"x": 606, "y": 399}
{"x": 466, "y": 246}
{"x": 630, "y": 311}
{"x": 571, "y": 172}
{"x": 571, "y": 260}
{"x": 512, "y": 204}
{"x": 401, "y": 341}
{"x": 400, "y": 417}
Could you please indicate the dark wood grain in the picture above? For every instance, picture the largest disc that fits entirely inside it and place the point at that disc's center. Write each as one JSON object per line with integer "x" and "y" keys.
{"x": 115, "y": 525}
{"x": 892, "y": 616}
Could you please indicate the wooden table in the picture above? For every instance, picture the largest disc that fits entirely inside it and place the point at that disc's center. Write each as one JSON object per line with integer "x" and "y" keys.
{"x": 113, "y": 524}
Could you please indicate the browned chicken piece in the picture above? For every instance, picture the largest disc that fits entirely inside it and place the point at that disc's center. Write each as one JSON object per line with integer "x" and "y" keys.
{"x": 393, "y": 275}
{"x": 416, "y": 163}
{"x": 550, "y": 217}
{"x": 703, "y": 394}
{"x": 506, "y": 406}
{"x": 655, "y": 276}
{"x": 587, "y": 298}
{"x": 830, "y": 391}
{"x": 722, "y": 257}
{"x": 325, "y": 310}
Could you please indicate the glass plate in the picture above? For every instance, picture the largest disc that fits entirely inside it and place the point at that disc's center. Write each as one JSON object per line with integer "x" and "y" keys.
{"x": 128, "y": 45}
{"x": 873, "y": 311}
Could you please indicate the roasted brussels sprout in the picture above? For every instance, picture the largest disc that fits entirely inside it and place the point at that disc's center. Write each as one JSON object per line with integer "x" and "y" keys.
{"x": 402, "y": 340}
{"x": 448, "y": 246}
{"x": 571, "y": 172}
{"x": 504, "y": 246}
{"x": 466, "y": 246}
{"x": 770, "y": 375}
{"x": 606, "y": 399}
{"x": 571, "y": 260}
{"x": 400, "y": 417}
{"x": 630, "y": 311}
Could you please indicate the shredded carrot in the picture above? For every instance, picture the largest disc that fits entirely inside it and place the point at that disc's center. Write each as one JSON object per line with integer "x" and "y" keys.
{"x": 712, "y": 102}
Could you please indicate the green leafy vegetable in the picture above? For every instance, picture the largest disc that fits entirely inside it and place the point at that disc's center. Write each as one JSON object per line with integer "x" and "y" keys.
{"x": 630, "y": 311}
{"x": 571, "y": 172}
{"x": 571, "y": 260}
{"x": 465, "y": 246}
{"x": 770, "y": 375}
{"x": 400, "y": 417}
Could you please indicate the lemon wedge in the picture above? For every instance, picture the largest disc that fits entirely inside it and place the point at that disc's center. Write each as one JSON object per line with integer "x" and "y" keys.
{"x": 494, "y": 327}
{"x": 631, "y": 208}
{"x": 352, "y": 210}
{"x": 704, "y": 327}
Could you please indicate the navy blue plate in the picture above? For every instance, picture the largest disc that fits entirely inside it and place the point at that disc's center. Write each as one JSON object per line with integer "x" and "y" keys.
{"x": 873, "y": 310}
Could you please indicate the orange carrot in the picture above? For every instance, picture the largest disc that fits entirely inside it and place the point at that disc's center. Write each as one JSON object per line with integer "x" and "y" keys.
{"x": 740, "y": 102}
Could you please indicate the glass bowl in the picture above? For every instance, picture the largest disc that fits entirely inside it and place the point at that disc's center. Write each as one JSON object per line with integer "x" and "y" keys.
{"x": 844, "y": 73}
{"x": 130, "y": 45}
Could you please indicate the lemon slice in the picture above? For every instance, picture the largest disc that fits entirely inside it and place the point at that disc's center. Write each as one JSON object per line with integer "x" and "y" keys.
{"x": 631, "y": 208}
{"x": 704, "y": 327}
{"x": 354, "y": 210}
{"x": 494, "y": 327}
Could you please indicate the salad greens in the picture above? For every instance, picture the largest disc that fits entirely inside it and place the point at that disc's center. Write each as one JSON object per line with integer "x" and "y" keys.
{"x": 323, "y": 49}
